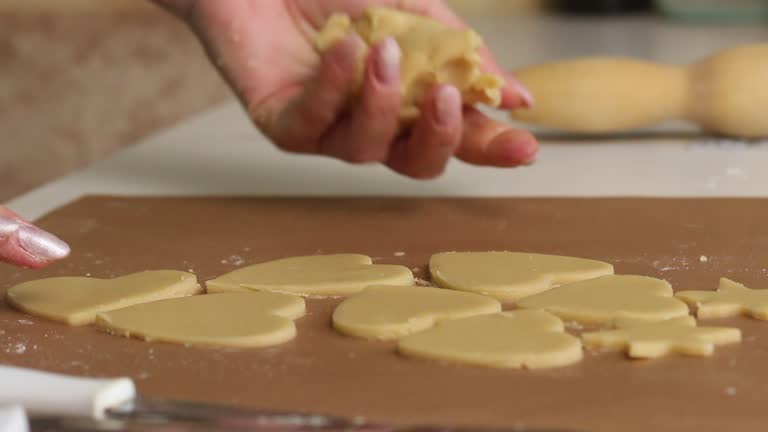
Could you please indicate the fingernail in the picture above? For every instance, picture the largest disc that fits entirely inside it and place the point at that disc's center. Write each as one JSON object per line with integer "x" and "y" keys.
{"x": 525, "y": 94}
{"x": 447, "y": 105}
{"x": 41, "y": 244}
{"x": 387, "y": 61}
{"x": 8, "y": 226}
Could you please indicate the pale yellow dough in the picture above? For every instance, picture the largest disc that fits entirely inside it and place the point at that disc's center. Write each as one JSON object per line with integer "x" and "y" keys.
{"x": 510, "y": 276}
{"x": 657, "y": 339}
{"x": 431, "y": 53}
{"x": 731, "y": 298}
{"x": 517, "y": 339}
{"x": 77, "y": 300}
{"x": 389, "y": 312}
{"x": 242, "y": 320}
{"x": 609, "y": 298}
{"x": 317, "y": 275}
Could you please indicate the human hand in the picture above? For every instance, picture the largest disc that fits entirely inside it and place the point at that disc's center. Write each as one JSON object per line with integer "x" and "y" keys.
{"x": 298, "y": 98}
{"x": 23, "y": 244}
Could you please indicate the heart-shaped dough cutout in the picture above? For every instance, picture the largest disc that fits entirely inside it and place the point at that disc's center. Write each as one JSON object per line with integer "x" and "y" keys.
{"x": 606, "y": 299}
{"x": 77, "y": 300}
{"x": 731, "y": 298}
{"x": 317, "y": 275}
{"x": 657, "y": 339}
{"x": 510, "y": 276}
{"x": 516, "y": 339}
{"x": 391, "y": 312}
{"x": 242, "y": 320}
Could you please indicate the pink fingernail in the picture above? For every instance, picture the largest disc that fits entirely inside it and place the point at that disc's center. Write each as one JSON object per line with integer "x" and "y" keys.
{"x": 387, "y": 61}
{"x": 523, "y": 91}
{"x": 41, "y": 244}
{"x": 8, "y": 226}
{"x": 447, "y": 105}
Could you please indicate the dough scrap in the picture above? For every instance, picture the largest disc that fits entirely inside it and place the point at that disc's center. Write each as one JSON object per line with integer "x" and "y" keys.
{"x": 731, "y": 298}
{"x": 390, "y": 312}
{"x": 656, "y": 339}
{"x": 316, "y": 275}
{"x": 432, "y": 53}
{"x": 516, "y": 339}
{"x": 510, "y": 276}
{"x": 77, "y": 300}
{"x": 242, "y": 320}
{"x": 606, "y": 299}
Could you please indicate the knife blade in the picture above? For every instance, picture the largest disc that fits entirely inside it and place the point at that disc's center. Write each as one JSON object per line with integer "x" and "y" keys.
{"x": 63, "y": 403}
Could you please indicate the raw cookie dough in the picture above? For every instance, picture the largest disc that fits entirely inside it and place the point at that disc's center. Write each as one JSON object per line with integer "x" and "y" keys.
{"x": 243, "y": 320}
{"x": 657, "y": 339}
{"x": 731, "y": 298}
{"x": 517, "y": 339}
{"x": 389, "y": 312}
{"x": 609, "y": 298}
{"x": 510, "y": 276}
{"x": 431, "y": 53}
{"x": 317, "y": 275}
{"x": 77, "y": 300}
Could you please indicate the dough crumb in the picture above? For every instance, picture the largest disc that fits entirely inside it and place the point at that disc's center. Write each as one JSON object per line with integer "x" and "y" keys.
{"x": 730, "y": 391}
{"x": 421, "y": 282}
{"x": 574, "y": 325}
{"x": 703, "y": 258}
{"x": 399, "y": 254}
{"x": 235, "y": 260}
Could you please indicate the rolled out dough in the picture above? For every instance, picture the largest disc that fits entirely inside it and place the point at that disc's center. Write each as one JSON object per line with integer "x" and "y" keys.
{"x": 245, "y": 320}
{"x": 510, "y": 276}
{"x": 731, "y": 298}
{"x": 657, "y": 339}
{"x": 517, "y": 339}
{"x": 317, "y": 275}
{"x": 606, "y": 299}
{"x": 77, "y": 300}
{"x": 390, "y": 312}
{"x": 432, "y": 53}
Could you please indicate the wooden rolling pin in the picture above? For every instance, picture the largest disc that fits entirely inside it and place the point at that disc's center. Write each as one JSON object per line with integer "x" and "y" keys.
{"x": 726, "y": 93}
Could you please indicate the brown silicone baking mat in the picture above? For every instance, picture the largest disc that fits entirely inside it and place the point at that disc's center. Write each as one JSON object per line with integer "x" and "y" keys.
{"x": 328, "y": 373}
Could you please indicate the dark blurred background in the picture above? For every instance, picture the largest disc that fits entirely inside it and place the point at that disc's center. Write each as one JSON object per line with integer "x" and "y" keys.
{"x": 80, "y": 79}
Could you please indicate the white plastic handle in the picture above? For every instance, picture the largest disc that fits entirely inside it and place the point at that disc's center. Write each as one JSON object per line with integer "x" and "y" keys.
{"x": 45, "y": 393}
{"x": 13, "y": 419}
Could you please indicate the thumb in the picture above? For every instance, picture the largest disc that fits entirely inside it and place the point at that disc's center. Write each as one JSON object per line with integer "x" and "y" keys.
{"x": 26, "y": 245}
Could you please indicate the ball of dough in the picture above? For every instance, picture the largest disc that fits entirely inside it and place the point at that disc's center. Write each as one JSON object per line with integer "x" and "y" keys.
{"x": 432, "y": 53}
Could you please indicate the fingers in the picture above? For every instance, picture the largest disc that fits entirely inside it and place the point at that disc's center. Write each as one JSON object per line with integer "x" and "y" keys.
{"x": 368, "y": 131}
{"x": 300, "y": 126}
{"x": 23, "y": 244}
{"x": 435, "y": 137}
{"x": 492, "y": 143}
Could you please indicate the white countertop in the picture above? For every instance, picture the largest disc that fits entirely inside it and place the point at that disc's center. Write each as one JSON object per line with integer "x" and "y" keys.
{"x": 219, "y": 152}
